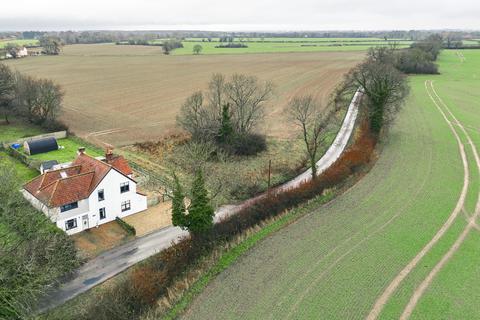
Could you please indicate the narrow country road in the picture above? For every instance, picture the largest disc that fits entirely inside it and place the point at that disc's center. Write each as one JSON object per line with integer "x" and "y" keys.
{"x": 114, "y": 261}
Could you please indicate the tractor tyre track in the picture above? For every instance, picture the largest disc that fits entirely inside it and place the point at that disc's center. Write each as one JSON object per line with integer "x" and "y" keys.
{"x": 384, "y": 297}
{"x": 420, "y": 290}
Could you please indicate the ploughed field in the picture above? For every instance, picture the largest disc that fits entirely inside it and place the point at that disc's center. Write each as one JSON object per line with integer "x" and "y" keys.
{"x": 410, "y": 213}
{"x": 124, "y": 94}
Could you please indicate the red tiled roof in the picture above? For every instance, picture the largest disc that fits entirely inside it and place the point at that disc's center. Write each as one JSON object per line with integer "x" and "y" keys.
{"x": 63, "y": 186}
{"x": 119, "y": 163}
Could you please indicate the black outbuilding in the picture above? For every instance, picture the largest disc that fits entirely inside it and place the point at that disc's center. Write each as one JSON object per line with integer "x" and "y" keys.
{"x": 40, "y": 146}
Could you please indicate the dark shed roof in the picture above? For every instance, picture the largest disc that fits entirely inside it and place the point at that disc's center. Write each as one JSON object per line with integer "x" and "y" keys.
{"x": 42, "y": 145}
{"x": 49, "y": 164}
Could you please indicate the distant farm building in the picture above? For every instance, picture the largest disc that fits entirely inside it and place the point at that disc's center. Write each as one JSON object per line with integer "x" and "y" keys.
{"x": 22, "y": 53}
{"x": 40, "y": 146}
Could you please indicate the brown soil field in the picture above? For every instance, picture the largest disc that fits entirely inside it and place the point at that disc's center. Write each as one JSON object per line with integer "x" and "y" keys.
{"x": 124, "y": 94}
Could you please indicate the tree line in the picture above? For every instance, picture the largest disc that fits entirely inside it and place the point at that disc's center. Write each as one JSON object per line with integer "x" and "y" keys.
{"x": 34, "y": 253}
{"x": 37, "y": 100}
{"x": 50, "y": 46}
{"x": 77, "y": 37}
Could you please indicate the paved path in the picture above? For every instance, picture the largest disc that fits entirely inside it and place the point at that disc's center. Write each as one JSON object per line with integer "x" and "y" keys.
{"x": 118, "y": 259}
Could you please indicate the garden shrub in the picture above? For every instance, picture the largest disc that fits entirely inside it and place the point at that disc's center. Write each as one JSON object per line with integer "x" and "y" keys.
{"x": 126, "y": 226}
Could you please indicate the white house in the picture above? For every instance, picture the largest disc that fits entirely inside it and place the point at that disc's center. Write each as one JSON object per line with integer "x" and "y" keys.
{"x": 23, "y": 52}
{"x": 87, "y": 193}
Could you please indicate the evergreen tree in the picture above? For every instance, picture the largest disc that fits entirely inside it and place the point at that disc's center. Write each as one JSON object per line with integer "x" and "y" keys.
{"x": 178, "y": 205}
{"x": 226, "y": 127}
{"x": 200, "y": 212}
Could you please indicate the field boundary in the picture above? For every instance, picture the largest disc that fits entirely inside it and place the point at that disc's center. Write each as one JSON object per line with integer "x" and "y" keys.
{"x": 395, "y": 283}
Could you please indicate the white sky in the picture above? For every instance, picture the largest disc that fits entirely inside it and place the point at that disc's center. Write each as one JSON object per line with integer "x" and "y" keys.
{"x": 239, "y": 15}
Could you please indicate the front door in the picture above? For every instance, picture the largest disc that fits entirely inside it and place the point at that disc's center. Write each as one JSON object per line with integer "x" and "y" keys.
{"x": 85, "y": 221}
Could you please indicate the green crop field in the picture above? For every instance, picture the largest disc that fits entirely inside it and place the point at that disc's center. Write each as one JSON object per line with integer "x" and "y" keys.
{"x": 20, "y": 42}
{"x": 273, "y": 45}
{"x": 338, "y": 260}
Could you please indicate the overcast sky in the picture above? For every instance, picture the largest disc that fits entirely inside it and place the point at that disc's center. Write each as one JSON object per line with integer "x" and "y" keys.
{"x": 239, "y": 14}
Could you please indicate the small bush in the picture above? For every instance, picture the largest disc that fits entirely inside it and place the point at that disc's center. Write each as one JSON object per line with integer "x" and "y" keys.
{"x": 126, "y": 226}
{"x": 247, "y": 144}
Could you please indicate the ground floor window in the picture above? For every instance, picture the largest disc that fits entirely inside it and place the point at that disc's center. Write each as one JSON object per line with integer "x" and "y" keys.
{"x": 103, "y": 213}
{"x": 125, "y": 205}
{"x": 71, "y": 224}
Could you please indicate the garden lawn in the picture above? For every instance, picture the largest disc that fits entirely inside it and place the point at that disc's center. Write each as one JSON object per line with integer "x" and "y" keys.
{"x": 335, "y": 262}
{"x": 68, "y": 153}
{"x": 17, "y": 129}
{"x": 24, "y": 173}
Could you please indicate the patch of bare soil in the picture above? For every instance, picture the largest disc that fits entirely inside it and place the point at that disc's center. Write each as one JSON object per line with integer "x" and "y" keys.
{"x": 152, "y": 219}
{"x": 92, "y": 242}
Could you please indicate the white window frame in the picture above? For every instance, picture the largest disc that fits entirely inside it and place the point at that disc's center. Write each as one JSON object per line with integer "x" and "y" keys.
{"x": 102, "y": 191}
{"x": 126, "y": 205}
{"x": 124, "y": 187}
{"x": 104, "y": 211}
{"x": 70, "y": 228}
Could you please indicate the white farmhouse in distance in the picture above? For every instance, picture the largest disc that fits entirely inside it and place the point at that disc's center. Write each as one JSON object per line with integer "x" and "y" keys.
{"x": 22, "y": 53}
{"x": 87, "y": 193}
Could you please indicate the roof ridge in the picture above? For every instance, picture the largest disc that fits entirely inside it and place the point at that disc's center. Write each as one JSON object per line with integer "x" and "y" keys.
{"x": 53, "y": 192}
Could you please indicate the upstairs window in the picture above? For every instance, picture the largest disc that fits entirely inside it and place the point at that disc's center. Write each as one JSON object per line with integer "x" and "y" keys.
{"x": 69, "y": 206}
{"x": 124, "y": 187}
{"x": 101, "y": 195}
{"x": 125, "y": 205}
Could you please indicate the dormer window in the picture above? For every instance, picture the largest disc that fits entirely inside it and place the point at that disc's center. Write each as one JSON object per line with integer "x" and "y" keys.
{"x": 124, "y": 187}
{"x": 69, "y": 206}
{"x": 101, "y": 195}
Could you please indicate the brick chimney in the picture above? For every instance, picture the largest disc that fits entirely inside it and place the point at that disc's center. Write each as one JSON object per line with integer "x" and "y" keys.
{"x": 81, "y": 150}
{"x": 108, "y": 155}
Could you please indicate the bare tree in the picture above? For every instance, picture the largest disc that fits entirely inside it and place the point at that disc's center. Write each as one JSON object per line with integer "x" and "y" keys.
{"x": 40, "y": 100}
{"x": 216, "y": 93}
{"x": 309, "y": 115}
{"x": 247, "y": 96}
{"x": 244, "y": 95}
{"x": 196, "y": 118}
